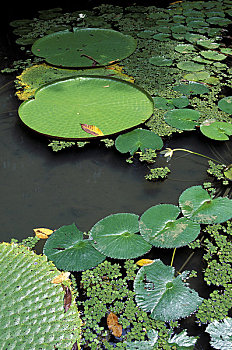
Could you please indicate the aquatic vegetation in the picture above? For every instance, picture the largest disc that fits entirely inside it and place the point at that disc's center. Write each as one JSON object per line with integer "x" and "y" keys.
{"x": 220, "y": 334}
{"x": 183, "y": 118}
{"x": 216, "y": 130}
{"x": 126, "y": 106}
{"x": 157, "y": 173}
{"x": 33, "y": 312}
{"x": 78, "y": 48}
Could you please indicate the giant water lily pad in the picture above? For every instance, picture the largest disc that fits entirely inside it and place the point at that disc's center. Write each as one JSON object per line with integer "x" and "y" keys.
{"x": 110, "y": 104}
{"x": 160, "y": 227}
{"x": 183, "y": 118}
{"x": 138, "y": 139}
{"x": 159, "y": 292}
{"x": 84, "y": 47}
{"x": 197, "y": 205}
{"x": 69, "y": 251}
{"x": 216, "y": 130}
{"x": 117, "y": 236}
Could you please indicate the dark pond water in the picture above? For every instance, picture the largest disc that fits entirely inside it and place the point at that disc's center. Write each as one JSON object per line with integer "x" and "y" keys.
{"x": 41, "y": 188}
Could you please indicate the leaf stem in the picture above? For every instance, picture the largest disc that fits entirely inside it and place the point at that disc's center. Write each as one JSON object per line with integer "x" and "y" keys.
{"x": 173, "y": 255}
{"x": 198, "y": 154}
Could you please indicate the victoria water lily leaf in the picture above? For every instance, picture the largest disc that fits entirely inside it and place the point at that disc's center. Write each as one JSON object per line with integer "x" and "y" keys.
{"x": 160, "y": 61}
{"x": 32, "y": 308}
{"x": 160, "y": 227}
{"x": 159, "y": 292}
{"x": 213, "y": 55}
{"x": 183, "y": 118}
{"x": 42, "y": 232}
{"x": 197, "y": 205}
{"x": 84, "y": 47}
{"x": 217, "y": 130}
{"x": 111, "y": 104}
{"x": 138, "y": 139}
{"x": 225, "y": 104}
{"x": 221, "y": 334}
{"x": 92, "y": 129}
{"x": 185, "y": 48}
{"x": 69, "y": 251}
{"x": 117, "y": 236}
{"x": 190, "y": 66}
{"x": 191, "y": 88}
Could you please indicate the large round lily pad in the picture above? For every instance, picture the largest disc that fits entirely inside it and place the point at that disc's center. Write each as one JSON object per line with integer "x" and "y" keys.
{"x": 160, "y": 227}
{"x": 110, "y": 104}
{"x": 69, "y": 251}
{"x": 159, "y": 292}
{"x": 117, "y": 236}
{"x": 84, "y": 47}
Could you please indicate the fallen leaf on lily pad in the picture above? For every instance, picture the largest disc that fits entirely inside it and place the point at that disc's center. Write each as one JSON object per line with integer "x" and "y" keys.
{"x": 92, "y": 129}
{"x": 42, "y": 232}
{"x": 144, "y": 262}
{"x": 61, "y": 278}
{"x": 67, "y": 298}
{"x": 113, "y": 325}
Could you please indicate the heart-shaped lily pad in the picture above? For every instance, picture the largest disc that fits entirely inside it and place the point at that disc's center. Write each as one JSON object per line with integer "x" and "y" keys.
{"x": 117, "y": 236}
{"x": 213, "y": 55}
{"x": 225, "y": 104}
{"x": 183, "y": 118}
{"x": 160, "y": 227}
{"x": 191, "y": 88}
{"x": 69, "y": 251}
{"x": 216, "y": 130}
{"x": 110, "y": 104}
{"x": 160, "y": 61}
{"x": 166, "y": 297}
{"x": 197, "y": 205}
{"x": 84, "y": 47}
{"x": 190, "y": 66}
{"x": 138, "y": 139}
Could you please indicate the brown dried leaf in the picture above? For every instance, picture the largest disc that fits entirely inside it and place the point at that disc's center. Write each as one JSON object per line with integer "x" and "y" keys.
{"x": 113, "y": 325}
{"x": 63, "y": 276}
{"x": 92, "y": 129}
{"x": 67, "y": 298}
{"x": 42, "y": 232}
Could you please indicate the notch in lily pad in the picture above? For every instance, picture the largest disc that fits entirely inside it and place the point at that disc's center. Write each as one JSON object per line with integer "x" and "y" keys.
{"x": 69, "y": 251}
{"x": 183, "y": 118}
{"x": 160, "y": 227}
{"x": 166, "y": 297}
{"x": 197, "y": 205}
{"x": 138, "y": 139}
{"x": 219, "y": 131}
{"x": 117, "y": 236}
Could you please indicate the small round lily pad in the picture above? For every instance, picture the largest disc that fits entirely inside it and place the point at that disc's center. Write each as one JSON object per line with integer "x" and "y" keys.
{"x": 225, "y": 104}
{"x": 190, "y": 66}
{"x": 117, "y": 236}
{"x": 183, "y": 118}
{"x": 160, "y": 61}
{"x": 185, "y": 48}
{"x": 213, "y": 55}
{"x": 217, "y": 130}
{"x": 191, "y": 88}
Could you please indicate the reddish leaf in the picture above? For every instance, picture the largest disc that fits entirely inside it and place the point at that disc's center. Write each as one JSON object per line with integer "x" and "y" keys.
{"x": 67, "y": 298}
{"x": 92, "y": 129}
{"x": 113, "y": 325}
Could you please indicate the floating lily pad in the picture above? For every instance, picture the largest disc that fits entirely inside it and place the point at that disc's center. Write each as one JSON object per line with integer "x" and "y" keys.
{"x": 183, "y": 118}
{"x": 228, "y": 172}
{"x": 190, "y": 66}
{"x": 160, "y": 61}
{"x": 180, "y": 102}
{"x": 197, "y": 76}
{"x": 191, "y": 88}
{"x": 219, "y": 21}
{"x": 161, "y": 37}
{"x": 200, "y": 59}
{"x": 197, "y": 24}
{"x": 197, "y": 205}
{"x": 21, "y": 23}
{"x": 185, "y": 48}
{"x": 138, "y": 139}
{"x": 209, "y": 44}
{"x": 217, "y": 130}
{"x": 225, "y": 104}
{"x": 110, "y": 104}
{"x": 227, "y": 51}
{"x": 193, "y": 38}
{"x": 166, "y": 297}
{"x": 160, "y": 227}
{"x": 213, "y": 55}
{"x": 179, "y": 28}
{"x": 117, "y": 236}
{"x": 146, "y": 34}
{"x": 163, "y": 103}
{"x": 84, "y": 47}
{"x": 69, "y": 251}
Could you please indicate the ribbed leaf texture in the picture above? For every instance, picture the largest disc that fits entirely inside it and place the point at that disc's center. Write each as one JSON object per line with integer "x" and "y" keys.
{"x": 32, "y": 308}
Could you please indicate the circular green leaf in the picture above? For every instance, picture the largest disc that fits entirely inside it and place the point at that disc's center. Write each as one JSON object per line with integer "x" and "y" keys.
{"x": 158, "y": 226}
{"x": 225, "y": 104}
{"x": 84, "y": 47}
{"x": 110, "y": 104}
{"x": 69, "y": 251}
{"x": 219, "y": 21}
{"x": 209, "y": 44}
{"x": 162, "y": 103}
{"x": 228, "y": 172}
{"x": 138, "y": 139}
{"x": 161, "y": 37}
{"x": 213, "y": 55}
{"x": 183, "y": 118}
{"x": 185, "y": 48}
{"x": 180, "y": 102}
{"x": 160, "y": 61}
{"x": 197, "y": 205}
{"x": 193, "y": 38}
{"x": 217, "y": 130}
{"x": 190, "y": 66}
{"x": 116, "y": 236}
{"x": 197, "y": 76}
{"x": 191, "y": 88}
{"x": 159, "y": 292}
